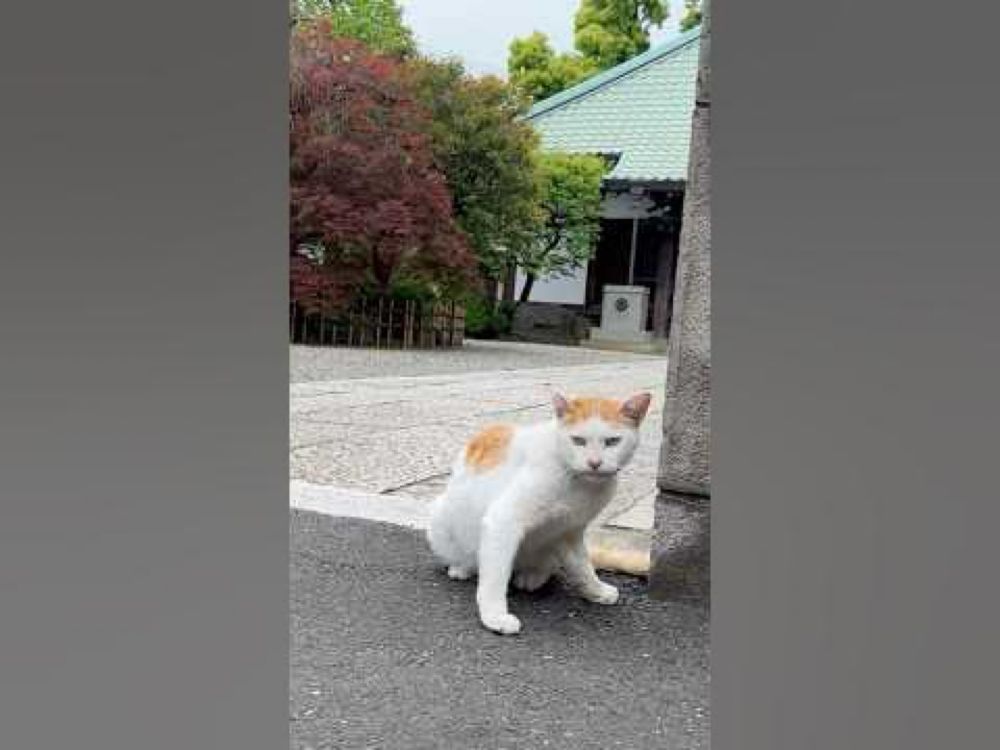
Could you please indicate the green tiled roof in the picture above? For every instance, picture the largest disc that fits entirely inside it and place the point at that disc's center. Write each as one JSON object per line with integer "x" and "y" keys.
{"x": 640, "y": 110}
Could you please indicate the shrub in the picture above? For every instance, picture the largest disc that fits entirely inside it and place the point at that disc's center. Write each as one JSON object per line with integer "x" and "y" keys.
{"x": 486, "y": 318}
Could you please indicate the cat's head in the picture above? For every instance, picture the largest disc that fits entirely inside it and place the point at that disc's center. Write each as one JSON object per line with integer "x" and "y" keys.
{"x": 598, "y": 436}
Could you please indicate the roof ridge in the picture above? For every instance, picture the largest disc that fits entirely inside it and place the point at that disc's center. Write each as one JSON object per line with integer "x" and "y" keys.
{"x": 589, "y": 85}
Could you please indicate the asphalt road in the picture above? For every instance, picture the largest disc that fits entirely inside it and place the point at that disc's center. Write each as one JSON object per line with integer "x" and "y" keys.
{"x": 387, "y": 652}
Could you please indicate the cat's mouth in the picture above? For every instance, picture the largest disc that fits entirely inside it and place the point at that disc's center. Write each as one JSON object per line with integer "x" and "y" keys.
{"x": 597, "y": 474}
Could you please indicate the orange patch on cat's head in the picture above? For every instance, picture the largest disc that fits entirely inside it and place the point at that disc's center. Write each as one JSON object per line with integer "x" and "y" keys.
{"x": 579, "y": 409}
{"x": 488, "y": 449}
{"x": 628, "y": 413}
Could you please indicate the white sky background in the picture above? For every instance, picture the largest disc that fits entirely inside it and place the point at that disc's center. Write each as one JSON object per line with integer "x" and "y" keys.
{"x": 479, "y": 31}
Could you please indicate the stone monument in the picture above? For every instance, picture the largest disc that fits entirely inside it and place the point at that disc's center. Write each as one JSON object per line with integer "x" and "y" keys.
{"x": 624, "y": 311}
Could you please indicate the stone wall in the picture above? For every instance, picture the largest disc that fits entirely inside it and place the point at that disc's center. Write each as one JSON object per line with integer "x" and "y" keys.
{"x": 547, "y": 323}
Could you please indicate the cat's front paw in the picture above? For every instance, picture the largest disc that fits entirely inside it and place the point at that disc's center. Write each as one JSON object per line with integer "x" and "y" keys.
{"x": 505, "y": 624}
{"x": 606, "y": 594}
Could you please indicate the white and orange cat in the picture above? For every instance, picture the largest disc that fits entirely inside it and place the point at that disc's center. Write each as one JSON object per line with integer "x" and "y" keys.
{"x": 520, "y": 498}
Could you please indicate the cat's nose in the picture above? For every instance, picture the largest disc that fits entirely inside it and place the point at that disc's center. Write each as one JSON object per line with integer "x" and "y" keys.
{"x": 594, "y": 463}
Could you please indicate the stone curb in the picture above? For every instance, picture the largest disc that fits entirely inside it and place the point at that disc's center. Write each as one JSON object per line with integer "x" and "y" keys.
{"x": 654, "y": 348}
{"x": 400, "y": 510}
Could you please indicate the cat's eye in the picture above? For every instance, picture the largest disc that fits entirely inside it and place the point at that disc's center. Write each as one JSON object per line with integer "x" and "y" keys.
{"x": 578, "y": 440}
{"x": 612, "y": 441}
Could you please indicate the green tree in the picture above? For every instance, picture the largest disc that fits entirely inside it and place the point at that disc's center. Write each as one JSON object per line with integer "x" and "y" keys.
{"x": 692, "y": 15}
{"x": 368, "y": 208}
{"x": 535, "y": 68}
{"x": 377, "y": 23}
{"x": 568, "y": 195}
{"x": 605, "y": 33}
{"x": 609, "y": 32}
{"x": 487, "y": 154}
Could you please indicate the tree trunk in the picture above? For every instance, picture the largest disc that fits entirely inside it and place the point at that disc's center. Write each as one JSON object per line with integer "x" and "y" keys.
{"x": 490, "y": 287}
{"x": 510, "y": 283}
{"x": 680, "y": 554}
{"x": 529, "y": 282}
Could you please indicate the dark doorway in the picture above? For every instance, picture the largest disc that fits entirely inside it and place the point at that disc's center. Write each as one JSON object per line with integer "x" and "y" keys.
{"x": 653, "y": 266}
{"x": 610, "y": 262}
{"x": 656, "y": 245}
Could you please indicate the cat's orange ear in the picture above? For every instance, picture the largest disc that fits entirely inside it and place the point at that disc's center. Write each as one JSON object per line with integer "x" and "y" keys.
{"x": 560, "y": 404}
{"x": 635, "y": 408}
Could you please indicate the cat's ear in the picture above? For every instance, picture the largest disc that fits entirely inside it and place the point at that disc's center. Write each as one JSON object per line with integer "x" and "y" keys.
{"x": 560, "y": 405}
{"x": 635, "y": 407}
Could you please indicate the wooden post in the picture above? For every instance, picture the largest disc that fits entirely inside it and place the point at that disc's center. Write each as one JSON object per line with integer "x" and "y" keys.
{"x": 407, "y": 323}
{"x": 632, "y": 249}
{"x": 350, "y": 325}
{"x": 665, "y": 266}
{"x": 435, "y": 324}
{"x": 391, "y": 328}
{"x": 432, "y": 326}
{"x": 364, "y": 321}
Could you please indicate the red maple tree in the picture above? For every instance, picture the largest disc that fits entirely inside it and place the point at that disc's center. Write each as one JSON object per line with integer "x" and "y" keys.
{"x": 366, "y": 199}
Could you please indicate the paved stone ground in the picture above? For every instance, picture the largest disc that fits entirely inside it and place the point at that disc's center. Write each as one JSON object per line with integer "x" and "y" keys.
{"x": 387, "y": 653}
{"x": 308, "y": 363}
{"x": 393, "y": 421}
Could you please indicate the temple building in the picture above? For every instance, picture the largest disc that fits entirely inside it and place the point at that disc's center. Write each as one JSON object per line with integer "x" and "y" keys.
{"x": 638, "y": 116}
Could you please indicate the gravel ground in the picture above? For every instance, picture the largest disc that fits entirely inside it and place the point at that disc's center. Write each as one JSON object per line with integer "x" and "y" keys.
{"x": 386, "y": 652}
{"x": 308, "y": 364}
{"x": 396, "y": 433}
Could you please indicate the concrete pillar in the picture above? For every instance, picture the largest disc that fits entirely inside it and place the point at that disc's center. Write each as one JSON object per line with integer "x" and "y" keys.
{"x": 680, "y": 554}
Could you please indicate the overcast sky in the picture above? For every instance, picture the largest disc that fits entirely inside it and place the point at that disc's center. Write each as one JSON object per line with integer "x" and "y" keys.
{"x": 479, "y": 31}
